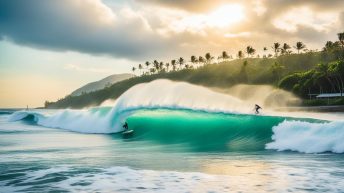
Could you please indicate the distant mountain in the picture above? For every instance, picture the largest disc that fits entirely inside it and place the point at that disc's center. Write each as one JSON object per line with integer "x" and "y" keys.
{"x": 93, "y": 86}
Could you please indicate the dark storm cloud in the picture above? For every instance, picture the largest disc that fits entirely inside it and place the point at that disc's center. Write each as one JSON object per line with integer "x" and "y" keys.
{"x": 74, "y": 25}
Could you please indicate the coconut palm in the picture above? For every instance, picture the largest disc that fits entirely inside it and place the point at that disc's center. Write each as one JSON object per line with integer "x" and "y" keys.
{"x": 248, "y": 48}
{"x": 201, "y": 60}
{"x": 133, "y": 69}
{"x": 181, "y": 62}
{"x": 140, "y": 67}
{"x": 193, "y": 59}
{"x": 156, "y": 65}
{"x": 147, "y": 64}
{"x": 328, "y": 46}
{"x": 208, "y": 57}
{"x": 161, "y": 66}
{"x": 299, "y": 46}
{"x": 173, "y": 63}
{"x": 224, "y": 55}
{"x": 285, "y": 48}
{"x": 240, "y": 54}
{"x": 276, "y": 48}
{"x": 250, "y": 51}
{"x": 341, "y": 38}
{"x": 167, "y": 66}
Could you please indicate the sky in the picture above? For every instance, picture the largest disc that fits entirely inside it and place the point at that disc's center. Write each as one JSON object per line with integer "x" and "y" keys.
{"x": 50, "y": 48}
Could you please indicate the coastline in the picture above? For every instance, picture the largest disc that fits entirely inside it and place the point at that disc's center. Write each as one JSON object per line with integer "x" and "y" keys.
{"x": 327, "y": 108}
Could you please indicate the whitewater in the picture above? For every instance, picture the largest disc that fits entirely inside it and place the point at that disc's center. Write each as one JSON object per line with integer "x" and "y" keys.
{"x": 187, "y": 138}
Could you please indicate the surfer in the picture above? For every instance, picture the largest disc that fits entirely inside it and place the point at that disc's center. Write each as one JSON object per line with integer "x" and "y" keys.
{"x": 257, "y": 107}
{"x": 125, "y": 126}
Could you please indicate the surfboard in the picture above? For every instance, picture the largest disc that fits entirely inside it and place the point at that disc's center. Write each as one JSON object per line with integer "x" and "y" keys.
{"x": 128, "y": 133}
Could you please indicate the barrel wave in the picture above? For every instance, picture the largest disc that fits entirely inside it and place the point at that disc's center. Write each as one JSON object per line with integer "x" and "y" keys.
{"x": 181, "y": 116}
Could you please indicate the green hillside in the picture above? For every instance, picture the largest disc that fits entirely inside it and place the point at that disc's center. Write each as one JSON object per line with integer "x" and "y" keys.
{"x": 224, "y": 74}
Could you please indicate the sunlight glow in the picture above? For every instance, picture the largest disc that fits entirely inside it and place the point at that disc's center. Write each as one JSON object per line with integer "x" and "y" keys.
{"x": 222, "y": 17}
{"x": 225, "y": 15}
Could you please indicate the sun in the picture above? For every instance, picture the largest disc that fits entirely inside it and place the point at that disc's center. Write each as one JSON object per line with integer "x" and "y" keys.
{"x": 225, "y": 15}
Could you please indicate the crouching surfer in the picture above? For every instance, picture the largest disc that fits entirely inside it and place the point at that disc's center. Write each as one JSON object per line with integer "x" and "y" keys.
{"x": 257, "y": 107}
{"x": 125, "y": 126}
{"x": 127, "y": 133}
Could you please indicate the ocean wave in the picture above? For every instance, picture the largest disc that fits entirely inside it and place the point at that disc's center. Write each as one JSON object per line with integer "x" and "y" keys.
{"x": 308, "y": 137}
{"x": 159, "y": 94}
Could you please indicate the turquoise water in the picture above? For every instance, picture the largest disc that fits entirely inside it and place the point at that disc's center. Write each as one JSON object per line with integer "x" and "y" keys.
{"x": 170, "y": 151}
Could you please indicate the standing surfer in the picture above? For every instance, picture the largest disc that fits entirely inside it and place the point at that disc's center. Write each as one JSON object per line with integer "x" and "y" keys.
{"x": 257, "y": 107}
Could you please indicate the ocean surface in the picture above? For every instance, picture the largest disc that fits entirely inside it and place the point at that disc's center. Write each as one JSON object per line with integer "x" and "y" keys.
{"x": 177, "y": 146}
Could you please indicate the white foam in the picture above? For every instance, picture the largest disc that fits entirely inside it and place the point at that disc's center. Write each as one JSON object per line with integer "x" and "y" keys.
{"x": 308, "y": 137}
{"x": 84, "y": 121}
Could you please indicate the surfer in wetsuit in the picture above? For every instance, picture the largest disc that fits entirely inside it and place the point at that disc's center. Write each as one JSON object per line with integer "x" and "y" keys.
{"x": 257, "y": 107}
{"x": 125, "y": 126}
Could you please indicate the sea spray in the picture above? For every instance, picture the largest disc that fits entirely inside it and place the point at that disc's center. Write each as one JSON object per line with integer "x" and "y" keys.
{"x": 308, "y": 137}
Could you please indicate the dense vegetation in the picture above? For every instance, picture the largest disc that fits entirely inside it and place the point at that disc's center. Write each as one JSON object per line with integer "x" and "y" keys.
{"x": 323, "y": 78}
{"x": 306, "y": 71}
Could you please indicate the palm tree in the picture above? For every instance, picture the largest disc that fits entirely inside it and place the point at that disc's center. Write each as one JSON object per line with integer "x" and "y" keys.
{"x": 285, "y": 48}
{"x": 224, "y": 55}
{"x": 167, "y": 66}
{"x": 161, "y": 66}
{"x": 173, "y": 63}
{"x": 265, "y": 49}
{"x": 193, "y": 59}
{"x": 240, "y": 54}
{"x": 328, "y": 46}
{"x": 201, "y": 60}
{"x": 147, "y": 64}
{"x": 181, "y": 62}
{"x": 208, "y": 58}
{"x": 140, "y": 67}
{"x": 276, "y": 48}
{"x": 299, "y": 46}
{"x": 341, "y": 38}
{"x": 133, "y": 69}
{"x": 250, "y": 51}
{"x": 248, "y": 48}
{"x": 156, "y": 65}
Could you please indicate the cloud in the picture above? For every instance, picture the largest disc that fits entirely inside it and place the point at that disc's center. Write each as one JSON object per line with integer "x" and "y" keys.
{"x": 165, "y": 29}
{"x": 86, "y": 26}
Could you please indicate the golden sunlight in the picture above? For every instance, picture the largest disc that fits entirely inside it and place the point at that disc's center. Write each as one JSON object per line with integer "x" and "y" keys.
{"x": 225, "y": 15}
{"x": 221, "y": 17}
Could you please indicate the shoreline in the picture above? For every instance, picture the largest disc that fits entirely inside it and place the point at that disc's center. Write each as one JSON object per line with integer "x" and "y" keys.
{"x": 335, "y": 108}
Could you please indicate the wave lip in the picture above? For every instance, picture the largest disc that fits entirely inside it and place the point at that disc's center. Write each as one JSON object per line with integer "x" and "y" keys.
{"x": 74, "y": 120}
{"x": 308, "y": 137}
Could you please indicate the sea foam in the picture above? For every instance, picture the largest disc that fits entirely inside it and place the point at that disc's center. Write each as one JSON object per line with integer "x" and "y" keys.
{"x": 308, "y": 137}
